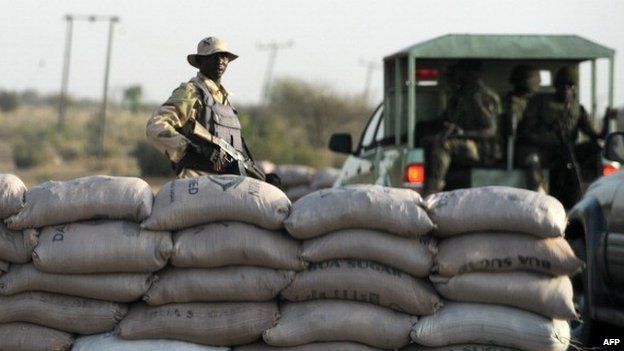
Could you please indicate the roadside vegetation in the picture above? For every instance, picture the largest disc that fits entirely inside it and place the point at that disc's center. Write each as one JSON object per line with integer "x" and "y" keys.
{"x": 293, "y": 126}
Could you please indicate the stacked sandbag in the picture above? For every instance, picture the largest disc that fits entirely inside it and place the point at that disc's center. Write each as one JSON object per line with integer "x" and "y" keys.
{"x": 94, "y": 197}
{"x": 112, "y": 342}
{"x": 294, "y": 175}
{"x": 295, "y": 179}
{"x": 12, "y": 191}
{"x": 92, "y": 257}
{"x": 32, "y": 337}
{"x": 504, "y": 266}
{"x": 229, "y": 262}
{"x": 298, "y": 180}
{"x": 324, "y": 178}
{"x": 15, "y": 246}
{"x": 318, "y": 346}
{"x": 483, "y": 324}
{"x": 369, "y": 256}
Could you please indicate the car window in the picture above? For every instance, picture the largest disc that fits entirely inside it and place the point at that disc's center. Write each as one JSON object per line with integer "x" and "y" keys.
{"x": 370, "y": 133}
{"x": 380, "y": 131}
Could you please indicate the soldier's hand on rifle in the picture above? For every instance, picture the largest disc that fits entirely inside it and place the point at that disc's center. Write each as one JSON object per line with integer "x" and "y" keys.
{"x": 213, "y": 153}
{"x": 453, "y": 130}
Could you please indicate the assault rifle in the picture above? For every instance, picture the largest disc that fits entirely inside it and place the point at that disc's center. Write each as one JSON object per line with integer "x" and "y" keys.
{"x": 567, "y": 145}
{"x": 221, "y": 152}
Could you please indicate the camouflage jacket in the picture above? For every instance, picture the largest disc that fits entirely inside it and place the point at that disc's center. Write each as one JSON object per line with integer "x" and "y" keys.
{"x": 474, "y": 109}
{"x": 545, "y": 122}
{"x": 513, "y": 109}
{"x": 184, "y": 104}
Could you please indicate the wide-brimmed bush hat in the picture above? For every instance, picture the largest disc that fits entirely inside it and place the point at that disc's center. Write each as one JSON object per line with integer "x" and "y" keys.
{"x": 210, "y": 46}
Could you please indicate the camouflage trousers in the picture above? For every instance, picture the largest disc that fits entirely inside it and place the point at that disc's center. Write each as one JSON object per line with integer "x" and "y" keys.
{"x": 439, "y": 156}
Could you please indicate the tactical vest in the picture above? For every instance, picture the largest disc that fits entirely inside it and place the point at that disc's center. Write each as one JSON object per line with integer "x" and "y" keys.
{"x": 220, "y": 120}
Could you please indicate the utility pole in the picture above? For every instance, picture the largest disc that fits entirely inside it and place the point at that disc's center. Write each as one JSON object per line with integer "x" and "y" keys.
{"x": 370, "y": 67}
{"x": 273, "y": 48}
{"x": 65, "y": 76}
{"x": 101, "y": 124}
{"x": 99, "y": 150}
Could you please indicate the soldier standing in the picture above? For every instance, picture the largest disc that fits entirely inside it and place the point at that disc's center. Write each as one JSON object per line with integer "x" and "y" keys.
{"x": 197, "y": 127}
{"x": 470, "y": 119}
{"x": 526, "y": 81}
{"x": 549, "y": 130}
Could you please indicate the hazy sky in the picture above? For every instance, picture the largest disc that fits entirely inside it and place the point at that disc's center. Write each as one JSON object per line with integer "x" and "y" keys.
{"x": 330, "y": 38}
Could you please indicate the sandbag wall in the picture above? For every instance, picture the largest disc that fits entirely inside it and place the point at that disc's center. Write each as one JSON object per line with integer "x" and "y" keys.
{"x": 16, "y": 247}
{"x": 503, "y": 267}
{"x": 221, "y": 262}
{"x": 229, "y": 261}
{"x": 83, "y": 270}
{"x": 299, "y": 180}
{"x": 367, "y": 279}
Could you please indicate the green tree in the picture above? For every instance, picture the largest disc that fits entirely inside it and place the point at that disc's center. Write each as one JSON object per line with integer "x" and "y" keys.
{"x": 9, "y": 101}
{"x": 132, "y": 97}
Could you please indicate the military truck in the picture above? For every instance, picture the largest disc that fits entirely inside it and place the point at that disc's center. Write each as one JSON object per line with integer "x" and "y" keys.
{"x": 388, "y": 151}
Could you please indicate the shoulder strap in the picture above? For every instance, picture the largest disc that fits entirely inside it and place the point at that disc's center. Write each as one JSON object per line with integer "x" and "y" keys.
{"x": 207, "y": 98}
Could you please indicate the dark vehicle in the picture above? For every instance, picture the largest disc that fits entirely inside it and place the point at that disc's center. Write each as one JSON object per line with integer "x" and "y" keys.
{"x": 596, "y": 232}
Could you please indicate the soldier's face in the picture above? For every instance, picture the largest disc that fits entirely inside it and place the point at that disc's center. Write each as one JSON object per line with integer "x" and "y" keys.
{"x": 566, "y": 91}
{"x": 214, "y": 66}
{"x": 532, "y": 82}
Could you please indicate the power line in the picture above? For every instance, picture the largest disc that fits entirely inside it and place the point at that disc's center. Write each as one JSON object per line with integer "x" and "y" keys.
{"x": 273, "y": 48}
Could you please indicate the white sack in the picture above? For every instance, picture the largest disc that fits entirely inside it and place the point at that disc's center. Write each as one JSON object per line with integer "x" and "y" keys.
{"x": 542, "y": 294}
{"x": 397, "y": 211}
{"x": 17, "y": 245}
{"x": 411, "y": 255}
{"x": 111, "y": 342}
{"x": 94, "y": 197}
{"x": 467, "y": 323}
{"x": 12, "y": 191}
{"x": 496, "y": 208}
{"x": 184, "y": 203}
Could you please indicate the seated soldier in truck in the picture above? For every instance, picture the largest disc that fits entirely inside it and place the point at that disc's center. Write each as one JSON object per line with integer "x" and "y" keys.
{"x": 469, "y": 136}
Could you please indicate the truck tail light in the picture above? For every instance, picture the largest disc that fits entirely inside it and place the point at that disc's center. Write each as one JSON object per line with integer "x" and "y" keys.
{"x": 609, "y": 169}
{"x": 415, "y": 174}
{"x": 427, "y": 74}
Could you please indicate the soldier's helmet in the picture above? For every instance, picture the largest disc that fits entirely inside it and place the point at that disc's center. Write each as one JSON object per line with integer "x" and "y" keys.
{"x": 520, "y": 74}
{"x": 566, "y": 75}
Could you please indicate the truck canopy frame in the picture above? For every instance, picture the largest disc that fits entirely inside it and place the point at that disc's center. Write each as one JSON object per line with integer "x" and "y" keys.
{"x": 400, "y": 78}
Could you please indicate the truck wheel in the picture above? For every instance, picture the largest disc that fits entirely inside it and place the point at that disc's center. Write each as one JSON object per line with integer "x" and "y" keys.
{"x": 581, "y": 329}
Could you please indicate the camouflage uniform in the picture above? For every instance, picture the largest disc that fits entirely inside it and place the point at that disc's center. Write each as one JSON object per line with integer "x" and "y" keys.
{"x": 185, "y": 103}
{"x": 514, "y": 106}
{"x": 474, "y": 110}
{"x": 541, "y": 132}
